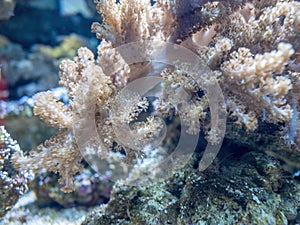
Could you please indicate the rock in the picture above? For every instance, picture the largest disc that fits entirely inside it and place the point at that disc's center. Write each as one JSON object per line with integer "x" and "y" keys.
{"x": 249, "y": 190}
{"x": 12, "y": 183}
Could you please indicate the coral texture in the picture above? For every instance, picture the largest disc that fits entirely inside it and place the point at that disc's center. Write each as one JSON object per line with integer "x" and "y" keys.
{"x": 134, "y": 20}
{"x": 253, "y": 53}
{"x": 12, "y": 182}
{"x": 258, "y": 81}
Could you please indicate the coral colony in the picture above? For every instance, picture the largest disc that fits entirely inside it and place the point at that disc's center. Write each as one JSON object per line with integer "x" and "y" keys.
{"x": 251, "y": 48}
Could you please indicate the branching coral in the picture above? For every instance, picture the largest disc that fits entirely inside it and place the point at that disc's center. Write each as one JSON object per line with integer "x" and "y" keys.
{"x": 85, "y": 80}
{"x": 260, "y": 80}
{"x": 249, "y": 52}
{"x": 89, "y": 83}
{"x": 193, "y": 115}
{"x": 58, "y": 154}
{"x": 251, "y": 81}
{"x": 266, "y": 28}
{"x": 130, "y": 21}
{"x": 194, "y": 15}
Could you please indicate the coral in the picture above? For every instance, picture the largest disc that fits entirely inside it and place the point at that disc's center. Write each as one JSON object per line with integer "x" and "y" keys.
{"x": 130, "y": 21}
{"x": 19, "y": 64}
{"x": 193, "y": 16}
{"x": 192, "y": 115}
{"x": 12, "y": 183}
{"x": 59, "y": 115}
{"x": 253, "y": 54}
{"x": 32, "y": 130}
{"x": 266, "y": 28}
{"x": 251, "y": 81}
{"x": 84, "y": 76}
{"x": 267, "y": 82}
{"x": 57, "y": 155}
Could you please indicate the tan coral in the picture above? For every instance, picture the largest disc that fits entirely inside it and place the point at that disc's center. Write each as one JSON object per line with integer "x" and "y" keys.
{"x": 55, "y": 113}
{"x": 58, "y": 154}
{"x": 253, "y": 79}
{"x": 279, "y": 23}
{"x": 113, "y": 64}
{"x": 130, "y": 21}
{"x": 251, "y": 73}
{"x": 213, "y": 56}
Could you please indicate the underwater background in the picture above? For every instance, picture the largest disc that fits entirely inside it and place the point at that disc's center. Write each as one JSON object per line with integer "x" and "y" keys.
{"x": 79, "y": 146}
